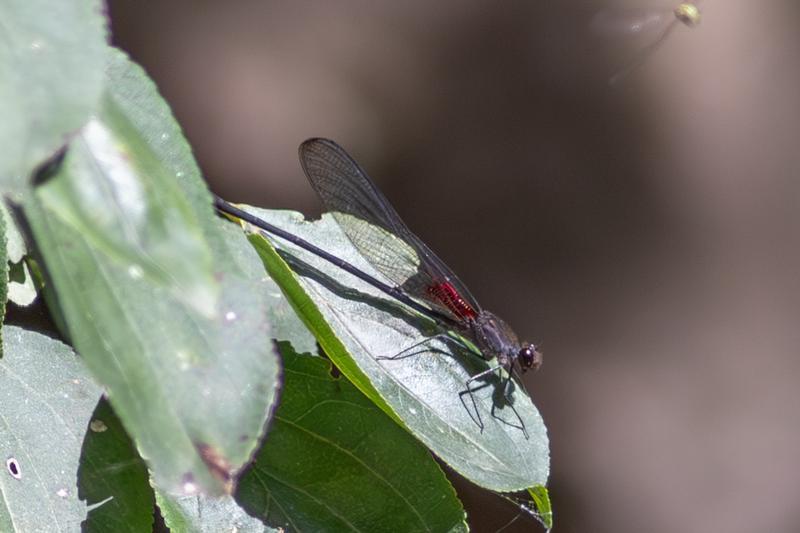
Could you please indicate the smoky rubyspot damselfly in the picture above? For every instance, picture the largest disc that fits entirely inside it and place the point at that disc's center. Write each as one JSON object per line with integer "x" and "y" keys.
{"x": 420, "y": 279}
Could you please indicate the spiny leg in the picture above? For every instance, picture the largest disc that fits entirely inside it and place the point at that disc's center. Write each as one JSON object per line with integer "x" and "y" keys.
{"x": 507, "y": 396}
{"x": 407, "y": 352}
{"x": 511, "y": 404}
{"x": 469, "y": 391}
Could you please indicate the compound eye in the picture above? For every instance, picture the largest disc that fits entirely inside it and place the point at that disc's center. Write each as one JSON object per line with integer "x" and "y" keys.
{"x": 529, "y": 357}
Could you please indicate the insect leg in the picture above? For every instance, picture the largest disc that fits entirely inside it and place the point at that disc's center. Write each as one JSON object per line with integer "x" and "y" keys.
{"x": 507, "y": 396}
{"x": 413, "y": 349}
{"x": 469, "y": 391}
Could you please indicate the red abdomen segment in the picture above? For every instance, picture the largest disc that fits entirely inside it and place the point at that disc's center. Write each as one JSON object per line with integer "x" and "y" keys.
{"x": 448, "y": 296}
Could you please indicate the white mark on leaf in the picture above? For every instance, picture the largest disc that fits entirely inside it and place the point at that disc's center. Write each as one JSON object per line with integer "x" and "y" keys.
{"x": 135, "y": 272}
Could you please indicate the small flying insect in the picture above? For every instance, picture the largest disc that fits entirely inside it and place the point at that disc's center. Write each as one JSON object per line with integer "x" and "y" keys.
{"x": 641, "y": 21}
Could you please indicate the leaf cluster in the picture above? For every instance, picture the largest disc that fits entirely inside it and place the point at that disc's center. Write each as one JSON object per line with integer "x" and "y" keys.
{"x": 182, "y": 375}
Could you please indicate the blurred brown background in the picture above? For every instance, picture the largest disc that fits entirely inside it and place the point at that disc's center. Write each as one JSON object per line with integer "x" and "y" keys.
{"x": 645, "y": 235}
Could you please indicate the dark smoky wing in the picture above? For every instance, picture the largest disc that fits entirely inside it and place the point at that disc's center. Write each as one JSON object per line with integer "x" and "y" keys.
{"x": 352, "y": 198}
{"x": 372, "y": 224}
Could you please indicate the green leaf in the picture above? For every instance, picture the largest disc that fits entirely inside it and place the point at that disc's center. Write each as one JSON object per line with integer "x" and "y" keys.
{"x": 113, "y": 189}
{"x": 295, "y": 293}
{"x": 182, "y": 381}
{"x": 21, "y": 287}
{"x": 355, "y": 323}
{"x": 51, "y": 76}
{"x": 111, "y": 468}
{"x": 15, "y": 244}
{"x": 333, "y": 461}
{"x": 46, "y": 399}
{"x": 137, "y": 96}
{"x": 205, "y": 514}
{"x": 286, "y": 324}
{"x": 4, "y": 270}
{"x": 541, "y": 497}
